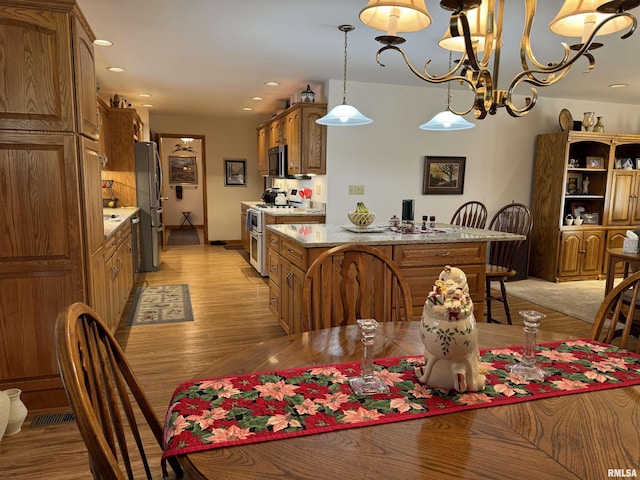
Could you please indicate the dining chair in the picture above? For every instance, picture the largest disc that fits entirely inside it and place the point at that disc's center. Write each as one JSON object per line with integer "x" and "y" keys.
{"x": 618, "y": 315}
{"x": 106, "y": 398}
{"x": 351, "y": 282}
{"x": 470, "y": 214}
{"x": 503, "y": 256}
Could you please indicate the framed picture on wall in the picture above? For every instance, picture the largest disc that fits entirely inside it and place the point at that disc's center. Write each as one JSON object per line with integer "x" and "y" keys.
{"x": 443, "y": 175}
{"x": 183, "y": 170}
{"x": 235, "y": 172}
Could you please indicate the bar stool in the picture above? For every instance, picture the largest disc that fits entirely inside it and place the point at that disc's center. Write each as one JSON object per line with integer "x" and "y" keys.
{"x": 187, "y": 219}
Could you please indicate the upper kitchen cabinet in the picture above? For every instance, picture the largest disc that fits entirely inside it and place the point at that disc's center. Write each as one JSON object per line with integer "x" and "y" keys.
{"x": 125, "y": 129}
{"x": 37, "y": 73}
{"x": 87, "y": 107}
{"x": 306, "y": 140}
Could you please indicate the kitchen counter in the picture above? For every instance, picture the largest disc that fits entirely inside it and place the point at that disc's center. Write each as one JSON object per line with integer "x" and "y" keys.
{"x": 285, "y": 212}
{"x": 327, "y": 235}
{"x": 114, "y": 217}
{"x": 420, "y": 257}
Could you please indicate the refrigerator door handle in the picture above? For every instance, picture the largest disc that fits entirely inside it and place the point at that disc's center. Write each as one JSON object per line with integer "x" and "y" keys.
{"x": 160, "y": 228}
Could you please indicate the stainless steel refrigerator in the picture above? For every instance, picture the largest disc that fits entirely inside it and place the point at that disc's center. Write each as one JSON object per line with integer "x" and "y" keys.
{"x": 148, "y": 187}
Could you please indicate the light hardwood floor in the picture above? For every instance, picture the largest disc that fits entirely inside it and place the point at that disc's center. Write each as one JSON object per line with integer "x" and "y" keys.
{"x": 230, "y": 304}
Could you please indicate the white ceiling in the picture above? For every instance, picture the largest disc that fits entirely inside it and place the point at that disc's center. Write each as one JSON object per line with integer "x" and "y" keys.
{"x": 209, "y": 57}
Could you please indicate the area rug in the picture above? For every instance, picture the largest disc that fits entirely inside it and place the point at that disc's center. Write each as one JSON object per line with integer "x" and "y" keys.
{"x": 161, "y": 304}
{"x": 257, "y": 407}
{"x": 181, "y": 236}
{"x": 579, "y": 299}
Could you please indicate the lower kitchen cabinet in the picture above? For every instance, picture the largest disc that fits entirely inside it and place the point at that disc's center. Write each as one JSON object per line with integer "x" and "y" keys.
{"x": 420, "y": 264}
{"x": 118, "y": 274}
{"x": 581, "y": 254}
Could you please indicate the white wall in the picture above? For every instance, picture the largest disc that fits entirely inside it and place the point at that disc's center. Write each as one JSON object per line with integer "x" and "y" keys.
{"x": 224, "y": 139}
{"x": 387, "y": 156}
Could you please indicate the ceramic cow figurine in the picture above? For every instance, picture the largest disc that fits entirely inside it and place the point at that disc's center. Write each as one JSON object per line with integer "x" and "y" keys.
{"x": 450, "y": 337}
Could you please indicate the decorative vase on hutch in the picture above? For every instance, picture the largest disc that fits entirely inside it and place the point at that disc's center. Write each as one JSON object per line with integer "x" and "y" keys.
{"x": 588, "y": 120}
{"x": 5, "y": 404}
{"x": 17, "y": 411}
{"x": 598, "y": 127}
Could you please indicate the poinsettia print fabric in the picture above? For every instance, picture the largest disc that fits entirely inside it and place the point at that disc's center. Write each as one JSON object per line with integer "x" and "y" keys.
{"x": 236, "y": 410}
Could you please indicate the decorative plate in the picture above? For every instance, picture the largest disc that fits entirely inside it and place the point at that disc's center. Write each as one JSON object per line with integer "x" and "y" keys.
{"x": 566, "y": 120}
{"x": 367, "y": 229}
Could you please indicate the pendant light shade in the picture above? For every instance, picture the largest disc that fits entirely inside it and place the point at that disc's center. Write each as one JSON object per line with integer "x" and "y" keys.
{"x": 344, "y": 115}
{"x": 446, "y": 121}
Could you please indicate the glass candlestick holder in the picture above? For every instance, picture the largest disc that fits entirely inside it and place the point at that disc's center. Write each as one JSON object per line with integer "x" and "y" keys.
{"x": 367, "y": 383}
{"x": 527, "y": 367}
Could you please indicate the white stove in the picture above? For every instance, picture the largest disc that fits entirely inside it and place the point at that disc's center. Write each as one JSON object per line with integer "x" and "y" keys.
{"x": 266, "y": 207}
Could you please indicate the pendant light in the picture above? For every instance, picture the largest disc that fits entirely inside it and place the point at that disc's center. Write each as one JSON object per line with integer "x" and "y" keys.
{"x": 447, "y": 120}
{"x": 344, "y": 115}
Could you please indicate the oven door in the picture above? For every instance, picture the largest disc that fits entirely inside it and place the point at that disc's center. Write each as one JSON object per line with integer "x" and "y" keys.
{"x": 254, "y": 220}
{"x": 256, "y": 252}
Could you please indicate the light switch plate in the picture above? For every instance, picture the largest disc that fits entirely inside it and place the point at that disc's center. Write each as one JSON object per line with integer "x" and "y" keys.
{"x": 356, "y": 189}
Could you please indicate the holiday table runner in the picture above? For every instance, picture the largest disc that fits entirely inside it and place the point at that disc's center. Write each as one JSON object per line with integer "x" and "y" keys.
{"x": 256, "y": 407}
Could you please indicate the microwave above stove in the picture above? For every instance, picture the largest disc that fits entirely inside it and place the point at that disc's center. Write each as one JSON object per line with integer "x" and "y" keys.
{"x": 278, "y": 161}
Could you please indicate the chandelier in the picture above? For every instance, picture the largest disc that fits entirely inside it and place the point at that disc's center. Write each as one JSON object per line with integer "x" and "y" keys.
{"x": 475, "y": 31}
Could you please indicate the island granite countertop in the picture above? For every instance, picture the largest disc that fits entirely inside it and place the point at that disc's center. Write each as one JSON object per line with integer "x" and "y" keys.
{"x": 327, "y": 235}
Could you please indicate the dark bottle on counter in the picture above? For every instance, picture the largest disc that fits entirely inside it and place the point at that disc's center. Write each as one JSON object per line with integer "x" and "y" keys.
{"x": 424, "y": 222}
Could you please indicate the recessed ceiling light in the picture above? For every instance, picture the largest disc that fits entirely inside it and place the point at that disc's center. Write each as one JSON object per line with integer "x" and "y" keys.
{"x": 618, "y": 85}
{"x": 145, "y": 95}
{"x": 148, "y": 105}
{"x": 247, "y": 109}
{"x": 102, "y": 43}
{"x": 272, "y": 84}
{"x": 115, "y": 69}
{"x": 257, "y": 98}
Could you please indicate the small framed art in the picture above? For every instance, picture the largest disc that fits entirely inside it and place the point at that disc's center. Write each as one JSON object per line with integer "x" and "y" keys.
{"x": 595, "y": 162}
{"x": 443, "y": 175}
{"x": 235, "y": 173}
{"x": 183, "y": 170}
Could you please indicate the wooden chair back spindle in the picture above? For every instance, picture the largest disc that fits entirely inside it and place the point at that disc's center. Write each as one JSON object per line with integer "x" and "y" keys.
{"x": 105, "y": 397}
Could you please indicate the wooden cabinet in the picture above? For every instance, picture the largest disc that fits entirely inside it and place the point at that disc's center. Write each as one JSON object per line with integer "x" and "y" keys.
{"x": 91, "y": 194}
{"x": 125, "y": 129}
{"x": 305, "y": 139}
{"x": 580, "y": 173}
{"x": 103, "y": 132}
{"x": 581, "y": 253}
{"x": 263, "y": 154}
{"x": 421, "y": 264}
{"x": 51, "y": 209}
{"x": 624, "y": 207}
{"x": 88, "y": 119}
{"x": 119, "y": 273}
{"x": 37, "y": 71}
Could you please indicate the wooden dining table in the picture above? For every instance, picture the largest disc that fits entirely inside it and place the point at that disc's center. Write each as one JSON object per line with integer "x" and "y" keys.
{"x": 578, "y": 436}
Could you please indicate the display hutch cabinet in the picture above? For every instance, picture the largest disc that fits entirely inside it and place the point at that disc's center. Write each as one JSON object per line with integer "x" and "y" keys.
{"x": 586, "y": 175}
{"x": 306, "y": 140}
{"x": 51, "y": 218}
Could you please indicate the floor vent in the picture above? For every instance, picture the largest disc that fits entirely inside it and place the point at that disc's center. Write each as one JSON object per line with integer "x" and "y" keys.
{"x": 52, "y": 419}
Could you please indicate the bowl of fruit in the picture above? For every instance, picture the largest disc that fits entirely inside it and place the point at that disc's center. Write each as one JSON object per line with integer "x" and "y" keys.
{"x": 361, "y": 216}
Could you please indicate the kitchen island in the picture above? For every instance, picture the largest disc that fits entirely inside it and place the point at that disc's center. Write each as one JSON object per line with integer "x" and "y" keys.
{"x": 420, "y": 256}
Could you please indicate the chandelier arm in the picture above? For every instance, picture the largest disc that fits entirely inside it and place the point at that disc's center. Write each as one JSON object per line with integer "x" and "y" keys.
{"x": 519, "y": 112}
{"x": 466, "y": 35}
{"x": 567, "y": 60}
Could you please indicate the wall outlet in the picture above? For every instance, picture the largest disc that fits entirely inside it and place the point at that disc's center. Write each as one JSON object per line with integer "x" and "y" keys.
{"x": 318, "y": 189}
{"x": 356, "y": 189}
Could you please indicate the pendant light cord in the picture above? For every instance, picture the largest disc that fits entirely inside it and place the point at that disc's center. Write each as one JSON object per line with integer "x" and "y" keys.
{"x": 448, "y": 102}
{"x": 346, "y": 29}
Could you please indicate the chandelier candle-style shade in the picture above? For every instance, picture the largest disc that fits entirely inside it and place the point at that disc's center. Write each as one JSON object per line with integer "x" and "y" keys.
{"x": 344, "y": 115}
{"x": 475, "y": 30}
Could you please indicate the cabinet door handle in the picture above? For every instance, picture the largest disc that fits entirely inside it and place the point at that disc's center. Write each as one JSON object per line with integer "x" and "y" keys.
{"x": 443, "y": 254}
{"x": 289, "y": 250}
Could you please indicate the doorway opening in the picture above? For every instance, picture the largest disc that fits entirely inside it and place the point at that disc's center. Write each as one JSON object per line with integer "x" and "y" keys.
{"x": 184, "y": 189}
